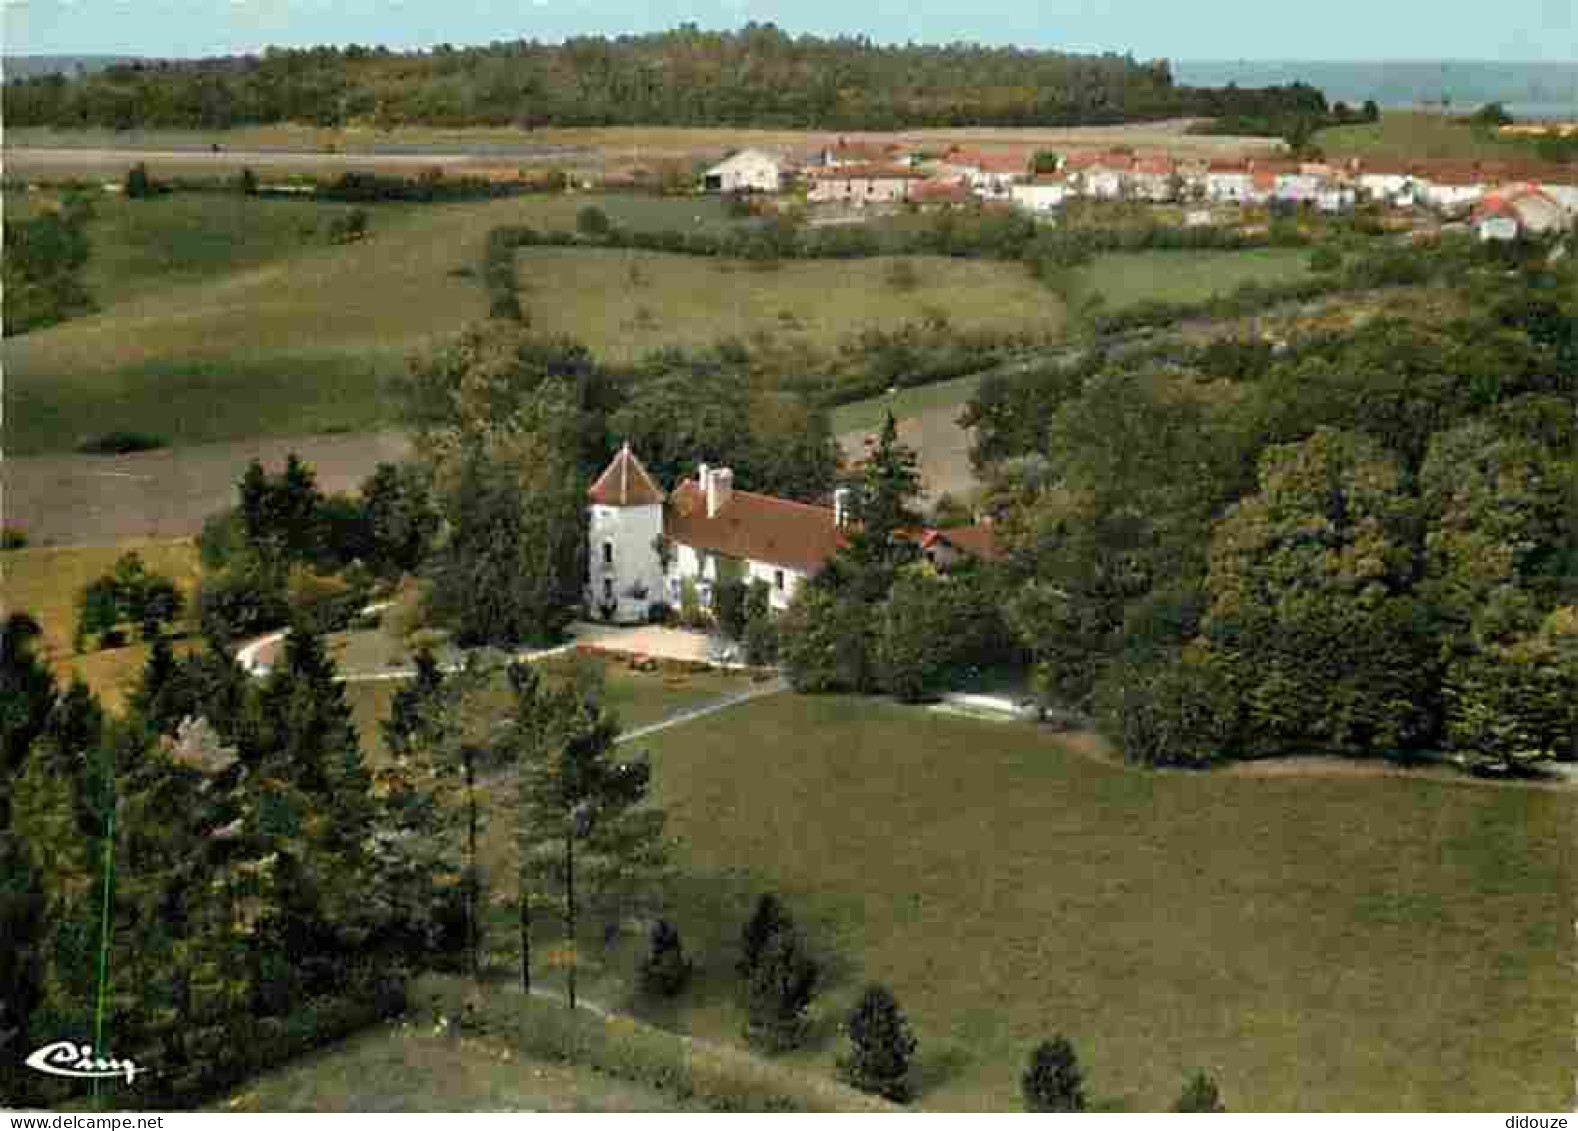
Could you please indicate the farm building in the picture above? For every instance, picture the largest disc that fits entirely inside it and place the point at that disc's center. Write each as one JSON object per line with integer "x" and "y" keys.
{"x": 749, "y": 170}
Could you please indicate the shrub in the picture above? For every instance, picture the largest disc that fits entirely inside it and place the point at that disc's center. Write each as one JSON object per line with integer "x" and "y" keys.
{"x": 240, "y": 602}
{"x": 882, "y": 1047}
{"x": 12, "y": 538}
{"x": 768, "y": 919}
{"x": 728, "y": 608}
{"x": 119, "y": 443}
{"x": 761, "y": 642}
{"x": 901, "y": 276}
{"x": 665, "y": 971}
{"x": 1200, "y": 1095}
{"x": 1052, "y": 1081}
{"x": 660, "y": 612}
{"x": 139, "y": 185}
{"x": 592, "y": 221}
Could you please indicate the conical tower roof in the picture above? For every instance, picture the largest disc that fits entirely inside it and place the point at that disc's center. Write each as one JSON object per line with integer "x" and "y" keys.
{"x": 625, "y": 483}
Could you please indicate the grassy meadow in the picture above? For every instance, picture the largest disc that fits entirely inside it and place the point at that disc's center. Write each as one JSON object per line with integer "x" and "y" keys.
{"x": 221, "y": 319}
{"x": 403, "y": 1067}
{"x": 1317, "y": 944}
{"x": 45, "y": 583}
{"x": 625, "y": 303}
{"x": 224, "y": 318}
{"x": 1128, "y": 279}
{"x": 1402, "y": 136}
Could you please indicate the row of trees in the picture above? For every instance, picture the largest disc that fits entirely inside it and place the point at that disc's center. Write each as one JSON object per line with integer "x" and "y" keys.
{"x": 1367, "y": 541}
{"x": 757, "y": 76}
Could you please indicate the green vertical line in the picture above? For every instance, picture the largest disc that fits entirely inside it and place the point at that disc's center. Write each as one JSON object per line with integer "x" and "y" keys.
{"x": 104, "y": 941}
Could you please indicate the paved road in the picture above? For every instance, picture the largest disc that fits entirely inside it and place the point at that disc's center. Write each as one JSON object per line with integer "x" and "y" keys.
{"x": 773, "y": 687}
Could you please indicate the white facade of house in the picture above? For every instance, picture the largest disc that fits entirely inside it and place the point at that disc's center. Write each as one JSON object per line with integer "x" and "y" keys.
{"x": 1102, "y": 182}
{"x": 1233, "y": 187}
{"x": 750, "y": 170}
{"x": 1565, "y": 195}
{"x": 1447, "y": 197}
{"x": 1299, "y": 188}
{"x": 1040, "y": 196}
{"x": 1394, "y": 188}
{"x": 1335, "y": 198}
{"x": 702, "y": 568}
{"x": 623, "y": 567}
{"x": 1500, "y": 228}
{"x": 860, "y": 189}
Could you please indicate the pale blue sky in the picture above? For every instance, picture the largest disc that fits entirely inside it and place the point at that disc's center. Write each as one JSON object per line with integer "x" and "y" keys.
{"x": 1510, "y": 30}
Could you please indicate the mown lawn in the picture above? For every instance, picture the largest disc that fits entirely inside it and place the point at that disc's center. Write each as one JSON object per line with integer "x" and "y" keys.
{"x": 407, "y": 1067}
{"x": 1184, "y": 276}
{"x": 45, "y": 583}
{"x": 625, "y": 303}
{"x": 1403, "y": 136}
{"x": 1317, "y": 944}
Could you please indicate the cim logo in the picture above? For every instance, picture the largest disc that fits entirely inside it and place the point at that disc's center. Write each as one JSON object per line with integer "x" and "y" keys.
{"x": 78, "y": 1062}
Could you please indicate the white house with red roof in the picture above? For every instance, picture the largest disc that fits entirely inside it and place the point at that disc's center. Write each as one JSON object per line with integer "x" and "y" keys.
{"x": 1515, "y": 210}
{"x": 862, "y": 184}
{"x": 645, "y": 545}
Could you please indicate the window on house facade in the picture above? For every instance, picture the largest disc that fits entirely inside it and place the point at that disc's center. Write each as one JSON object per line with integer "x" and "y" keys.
{"x": 608, "y": 589}
{"x": 608, "y": 553}
{"x": 778, "y": 580}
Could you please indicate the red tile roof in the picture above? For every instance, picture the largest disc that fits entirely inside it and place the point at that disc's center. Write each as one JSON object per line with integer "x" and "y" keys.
{"x": 979, "y": 541}
{"x": 1224, "y": 165}
{"x": 942, "y": 192}
{"x": 868, "y": 173}
{"x": 1156, "y": 166}
{"x": 625, "y": 483}
{"x": 990, "y": 162}
{"x": 756, "y": 527}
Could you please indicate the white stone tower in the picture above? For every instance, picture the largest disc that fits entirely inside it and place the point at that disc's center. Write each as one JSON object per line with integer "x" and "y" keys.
{"x": 624, "y": 572}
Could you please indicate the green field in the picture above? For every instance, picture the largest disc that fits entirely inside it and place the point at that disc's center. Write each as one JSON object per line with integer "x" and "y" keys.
{"x": 406, "y": 1067}
{"x": 625, "y": 303}
{"x": 1127, "y": 279}
{"x": 45, "y": 583}
{"x": 1318, "y": 944}
{"x": 221, "y": 321}
{"x": 1403, "y": 136}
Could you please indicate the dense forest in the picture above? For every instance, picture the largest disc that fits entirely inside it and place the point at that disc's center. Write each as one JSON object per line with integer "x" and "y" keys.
{"x": 1364, "y": 542}
{"x": 758, "y": 76}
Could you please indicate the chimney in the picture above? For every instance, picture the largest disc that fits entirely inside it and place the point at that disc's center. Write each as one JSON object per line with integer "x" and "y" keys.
{"x": 841, "y": 507}
{"x": 719, "y": 486}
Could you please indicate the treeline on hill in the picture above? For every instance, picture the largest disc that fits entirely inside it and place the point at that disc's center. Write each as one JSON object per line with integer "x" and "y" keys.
{"x": 758, "y": 76}
{"x": 1365, "y": 542}
{"x": 1293, "y": 112}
